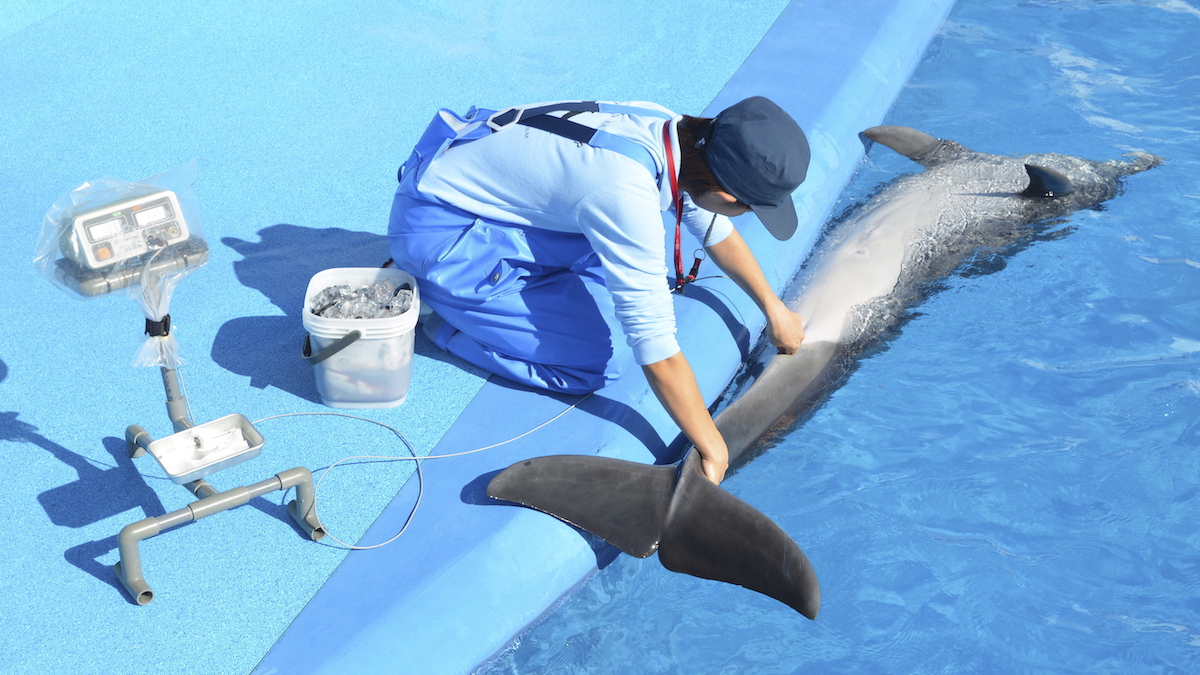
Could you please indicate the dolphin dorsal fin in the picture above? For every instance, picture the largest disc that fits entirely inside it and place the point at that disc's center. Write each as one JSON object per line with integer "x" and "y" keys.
{"x": 1046, "y": 183}
{"x": 913, "y": 144}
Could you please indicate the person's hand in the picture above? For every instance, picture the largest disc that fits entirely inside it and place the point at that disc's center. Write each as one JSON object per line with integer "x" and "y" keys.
{"x": 675, "y": 385}
{"x": 714, "y": 461}
{"x": 786, "y": 329}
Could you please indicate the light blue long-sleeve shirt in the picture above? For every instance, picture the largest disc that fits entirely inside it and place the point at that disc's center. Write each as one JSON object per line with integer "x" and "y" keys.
{"x": 532, "y": 178}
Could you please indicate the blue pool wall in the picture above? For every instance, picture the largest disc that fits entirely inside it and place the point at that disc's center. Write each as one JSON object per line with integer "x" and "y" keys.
{"x": 469, "y": 575}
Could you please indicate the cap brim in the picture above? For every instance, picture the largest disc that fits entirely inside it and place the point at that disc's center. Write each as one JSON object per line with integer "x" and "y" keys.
{"x": 780, "y": 220}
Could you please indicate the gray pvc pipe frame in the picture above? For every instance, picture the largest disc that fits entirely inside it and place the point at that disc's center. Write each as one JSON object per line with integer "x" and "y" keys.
{"x": 177, "y": 407}
{"x": 129, "y": 568}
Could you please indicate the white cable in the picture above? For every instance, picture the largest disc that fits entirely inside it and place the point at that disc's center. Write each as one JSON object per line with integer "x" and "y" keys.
{"x": 317, "y": 485}
{"x": 415, "y": 458}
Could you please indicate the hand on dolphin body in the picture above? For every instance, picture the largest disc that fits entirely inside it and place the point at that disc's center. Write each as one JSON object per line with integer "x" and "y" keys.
{"x": 785, "y": 329}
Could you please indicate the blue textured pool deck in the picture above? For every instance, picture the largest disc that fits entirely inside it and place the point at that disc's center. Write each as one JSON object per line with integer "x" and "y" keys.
{"x": 298, "y": 115}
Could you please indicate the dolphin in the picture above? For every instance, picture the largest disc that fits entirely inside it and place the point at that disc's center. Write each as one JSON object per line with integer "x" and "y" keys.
{"x": 886, "y": 255}
{"x": 869, "y": 269}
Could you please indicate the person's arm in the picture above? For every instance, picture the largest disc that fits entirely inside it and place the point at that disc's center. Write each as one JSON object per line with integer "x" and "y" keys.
{"x": 733, "y": 256}
{"x": 675, "y": 385}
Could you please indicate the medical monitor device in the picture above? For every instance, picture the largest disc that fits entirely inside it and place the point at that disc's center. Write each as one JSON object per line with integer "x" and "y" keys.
{"x": 121, "y": 231}
{"x": 113, "y": 246}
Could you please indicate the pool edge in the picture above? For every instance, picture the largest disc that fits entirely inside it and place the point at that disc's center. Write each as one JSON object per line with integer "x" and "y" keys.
{"x": 472, "y": 577}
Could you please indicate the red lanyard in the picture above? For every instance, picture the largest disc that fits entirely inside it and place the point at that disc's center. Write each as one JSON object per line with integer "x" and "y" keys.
{"x": 677, "y": 199}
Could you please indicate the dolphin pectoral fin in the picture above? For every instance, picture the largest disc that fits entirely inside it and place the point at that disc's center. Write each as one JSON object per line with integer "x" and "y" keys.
{"x": 714, "y": 535}
{"x": 913, "y": 144}
{"x": 697, "y": 528}
{"x": 623, "y": 503}
{"x": 1046, "y": 183}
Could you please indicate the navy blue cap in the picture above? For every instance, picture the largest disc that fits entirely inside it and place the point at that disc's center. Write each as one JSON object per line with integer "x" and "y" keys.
{"x": 760, "y": 155}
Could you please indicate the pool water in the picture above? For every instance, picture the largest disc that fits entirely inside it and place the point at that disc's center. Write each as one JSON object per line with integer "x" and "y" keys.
{"x": 1011, "y": 482}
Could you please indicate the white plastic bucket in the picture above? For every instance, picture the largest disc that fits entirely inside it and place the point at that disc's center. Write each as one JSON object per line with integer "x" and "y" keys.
{"x": 374, "y": 370}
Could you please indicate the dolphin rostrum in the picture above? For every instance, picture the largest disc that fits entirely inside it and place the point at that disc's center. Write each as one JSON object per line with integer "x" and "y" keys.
{"x": 872, "y": 267}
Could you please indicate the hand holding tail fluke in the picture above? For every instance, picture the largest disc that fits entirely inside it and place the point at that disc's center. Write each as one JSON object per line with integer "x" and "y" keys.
{"x": 696, "y": 527}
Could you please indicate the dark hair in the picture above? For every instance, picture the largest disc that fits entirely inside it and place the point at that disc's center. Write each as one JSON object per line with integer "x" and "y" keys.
{"x": 695, "y": 176}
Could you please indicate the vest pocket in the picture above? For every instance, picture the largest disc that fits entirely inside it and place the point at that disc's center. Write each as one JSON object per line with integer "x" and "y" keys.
{"x": 486, "y": 261}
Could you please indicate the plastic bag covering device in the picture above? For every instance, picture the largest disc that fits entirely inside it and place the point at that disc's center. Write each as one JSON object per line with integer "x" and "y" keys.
{"x": 140, "y": 239}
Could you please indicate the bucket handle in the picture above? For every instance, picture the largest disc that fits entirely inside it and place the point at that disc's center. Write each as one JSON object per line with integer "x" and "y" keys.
{"x": 337, "y": 346}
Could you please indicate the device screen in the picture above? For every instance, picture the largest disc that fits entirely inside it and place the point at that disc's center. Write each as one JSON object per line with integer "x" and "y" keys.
{"x": 105, "y": 230}
{"x": 153, "y": 215}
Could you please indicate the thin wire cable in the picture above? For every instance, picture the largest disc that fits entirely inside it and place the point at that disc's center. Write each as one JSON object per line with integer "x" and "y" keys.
{"x": 414, "y": 458}
{"x": 728, "y": 301}
{"x": 187, "y": 402}
{"x": 321, "y": 477}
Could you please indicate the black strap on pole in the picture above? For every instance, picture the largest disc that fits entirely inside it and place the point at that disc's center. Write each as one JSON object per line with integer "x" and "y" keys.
{"x": 160, "y": 327}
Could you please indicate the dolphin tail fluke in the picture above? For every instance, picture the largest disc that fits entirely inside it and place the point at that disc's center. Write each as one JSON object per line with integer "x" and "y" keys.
{"x": 715, "y": 535}
{"x": 623, "y": 503}
{"x": 696, "y": 527}
{"x": 1046, "y": 183}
